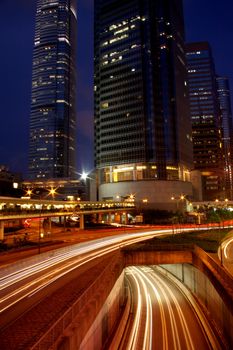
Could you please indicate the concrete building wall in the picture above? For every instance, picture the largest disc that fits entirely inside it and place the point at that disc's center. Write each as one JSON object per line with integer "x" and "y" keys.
{"x": 196, "y": 179}
{"x": 106, "y": 319}
{"x": 157, "y": 193}
{"x": 208, "y": 297}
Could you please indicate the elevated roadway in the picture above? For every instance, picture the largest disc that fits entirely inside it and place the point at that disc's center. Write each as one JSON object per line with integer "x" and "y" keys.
{"x": 27, "y": 208}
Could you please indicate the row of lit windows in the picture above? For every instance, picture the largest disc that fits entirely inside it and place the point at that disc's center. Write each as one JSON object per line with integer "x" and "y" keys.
{"x": 136, "y": 113}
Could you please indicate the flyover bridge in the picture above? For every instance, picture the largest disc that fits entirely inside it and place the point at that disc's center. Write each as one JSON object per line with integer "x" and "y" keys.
{"x": 26, "y": 208}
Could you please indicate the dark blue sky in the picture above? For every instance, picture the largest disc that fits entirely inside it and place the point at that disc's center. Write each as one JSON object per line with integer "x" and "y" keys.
{"x": 206, "y": 20}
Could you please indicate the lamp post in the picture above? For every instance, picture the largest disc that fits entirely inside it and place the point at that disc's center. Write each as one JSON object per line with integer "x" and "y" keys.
{"x": 179, "y": 199}
{"x": 29, "y": 193}
{"x": 52, "y": 192}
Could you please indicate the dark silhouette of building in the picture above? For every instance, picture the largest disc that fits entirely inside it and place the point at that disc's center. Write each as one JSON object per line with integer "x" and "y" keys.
{"x": 206, "y": 119}
{"x": 52, "y": 121}
{"x": 227, "y": 132}
{"x": 142, "y": 125}
{"x": 10, "y": 183}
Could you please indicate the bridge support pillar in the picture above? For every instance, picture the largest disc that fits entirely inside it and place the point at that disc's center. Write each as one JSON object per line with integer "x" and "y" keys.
{"x": 81, "y": 222}
{"x": 100, "y": 218}
{"x": 111, "y": 218}
{"x": 124, "y": 218}
{"x": 1, "y": 230}
{"x": 49, "y": 224}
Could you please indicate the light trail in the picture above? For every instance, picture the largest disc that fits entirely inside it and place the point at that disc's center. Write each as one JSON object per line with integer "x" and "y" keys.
{"x": 140, "y": 279}
{"x": 18, "y": 282}
{"x": 226, "y": 244}
{"x": 182, "y": 327}
{"x": 8, "y": 278}
{"x": 170, "y": 296}
{"x": 61, "y": 264}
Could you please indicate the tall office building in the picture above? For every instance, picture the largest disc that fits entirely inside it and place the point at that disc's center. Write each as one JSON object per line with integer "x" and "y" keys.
{"x": 227, "y": 132}
{"x": 52, "y": 121}
{"x": 143, "y": 142}
{"x": 206, "y": 118}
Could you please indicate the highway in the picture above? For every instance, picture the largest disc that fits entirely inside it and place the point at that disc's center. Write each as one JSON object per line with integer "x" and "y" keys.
{"x": 23, "y": 283}
{"x": 26, "y": 282}
{"x": 164, "y": 314}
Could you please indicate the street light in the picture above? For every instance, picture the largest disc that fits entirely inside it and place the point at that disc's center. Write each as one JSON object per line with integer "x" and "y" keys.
{"x": 52, "y": 192}
{"x": 29, "y": 192}
{"x": 84, "y": 176}
{"x": 131, "y": 198}
{"x": 178, "y": 199}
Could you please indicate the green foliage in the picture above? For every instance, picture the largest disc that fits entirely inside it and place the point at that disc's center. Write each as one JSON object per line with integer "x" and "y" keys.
{"x": 208, "y": 240}
{"x": 218, "y": 215}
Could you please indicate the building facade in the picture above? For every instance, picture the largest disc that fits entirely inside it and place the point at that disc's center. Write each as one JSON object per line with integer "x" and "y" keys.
{"x": 142, "y": 126}
{"x": 227, "y": 132}
{"x": 10, "y": 183}
{"x": 53, "y": 111}
{"x": 206, "y": 119}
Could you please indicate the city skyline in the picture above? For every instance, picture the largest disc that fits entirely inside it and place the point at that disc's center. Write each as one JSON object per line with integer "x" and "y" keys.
{"x": 16, "y": 78}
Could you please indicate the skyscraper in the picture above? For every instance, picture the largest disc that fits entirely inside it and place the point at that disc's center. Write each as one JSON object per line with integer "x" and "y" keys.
{"x": 142, "y": 126}
{"x": 227, "y": 132}
{"x": 52, "y": 120}
{"x": 206, "y": 118}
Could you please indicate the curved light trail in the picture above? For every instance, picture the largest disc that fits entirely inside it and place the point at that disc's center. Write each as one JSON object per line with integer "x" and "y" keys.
{"x": 23, "y": 280}
{"x": 164, "y": 318}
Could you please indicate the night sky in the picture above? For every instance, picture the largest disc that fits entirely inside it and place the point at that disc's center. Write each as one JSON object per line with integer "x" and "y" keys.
{"x": 205, "y": 20}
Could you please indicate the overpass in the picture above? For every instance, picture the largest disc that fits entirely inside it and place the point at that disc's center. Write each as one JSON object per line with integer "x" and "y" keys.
{"x": 217, "y": 203}
{"x": 94, "y": 298}
{"x": 27, "y": 208}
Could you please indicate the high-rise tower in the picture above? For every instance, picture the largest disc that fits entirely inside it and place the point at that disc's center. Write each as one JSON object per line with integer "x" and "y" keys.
{"x": 52, "y": 121}
{"x": 206, "y": 118}
{"x": 227, "y": 132}
{"x": 142, "y": 126}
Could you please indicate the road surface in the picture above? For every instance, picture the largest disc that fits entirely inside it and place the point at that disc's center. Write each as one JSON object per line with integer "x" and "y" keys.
{"x": 23, "y": 283}
{"x": 164, "y": 315}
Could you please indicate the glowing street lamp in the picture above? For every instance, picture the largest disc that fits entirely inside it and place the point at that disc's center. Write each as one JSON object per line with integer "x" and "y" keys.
{"x": 52, "y": 192}
{"x": 84, "y": 176}
{"x": 29, "y": 192}
{"x": 178, "y": 199}
{"x": 40, "y": 234}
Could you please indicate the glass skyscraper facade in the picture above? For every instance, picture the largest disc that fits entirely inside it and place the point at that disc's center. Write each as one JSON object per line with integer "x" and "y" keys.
{"x": 53, "y": 110}
{"x": 142, "y": 124}
{"x": 206, "y": 118}
{"x": 227, "y": 132}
